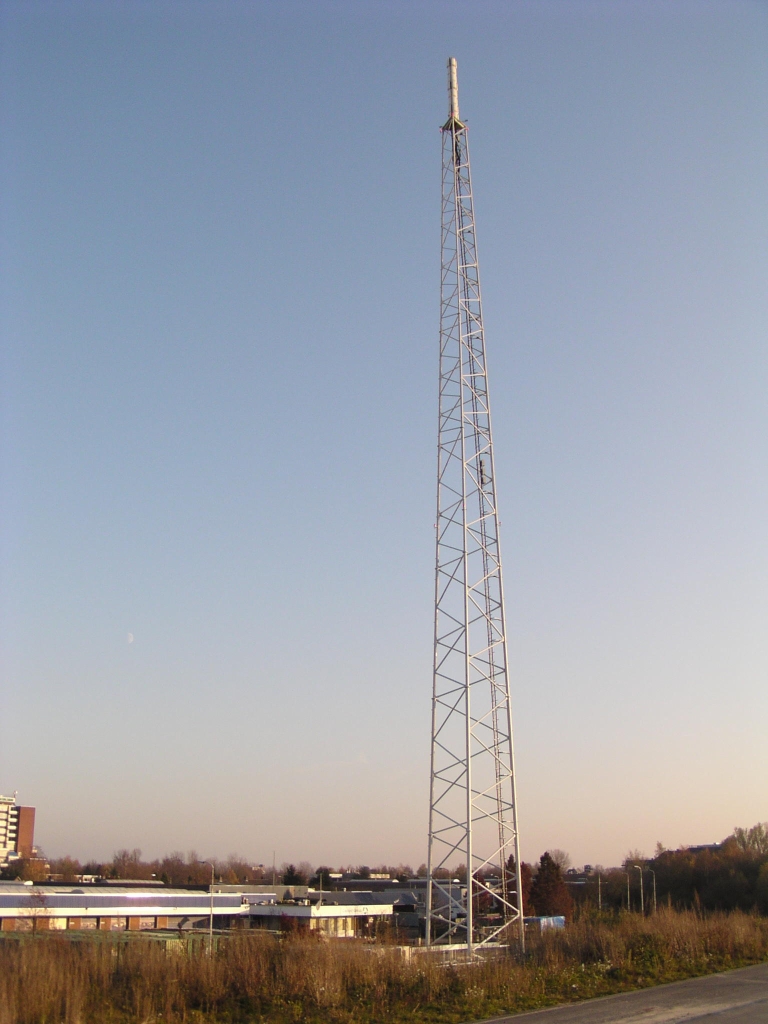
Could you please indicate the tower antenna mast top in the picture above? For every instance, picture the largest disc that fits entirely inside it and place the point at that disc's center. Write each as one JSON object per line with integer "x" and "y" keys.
{"x": 453, "y": 96}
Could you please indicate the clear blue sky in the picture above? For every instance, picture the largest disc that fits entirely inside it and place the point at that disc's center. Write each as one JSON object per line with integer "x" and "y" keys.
{"x": 220, "y": 231}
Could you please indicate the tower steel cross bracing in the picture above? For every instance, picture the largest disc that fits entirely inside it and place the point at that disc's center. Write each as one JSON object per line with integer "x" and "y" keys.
{"x": 472, "y": 814}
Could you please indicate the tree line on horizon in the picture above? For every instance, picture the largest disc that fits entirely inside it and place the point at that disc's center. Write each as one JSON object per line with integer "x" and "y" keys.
{"x": 727, "y": 876}
{"x": 178, "y": 869}
{"x": 732, "y": 875}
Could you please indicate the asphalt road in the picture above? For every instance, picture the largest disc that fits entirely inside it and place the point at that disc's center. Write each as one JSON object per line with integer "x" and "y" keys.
{"x": 737, "y": 997}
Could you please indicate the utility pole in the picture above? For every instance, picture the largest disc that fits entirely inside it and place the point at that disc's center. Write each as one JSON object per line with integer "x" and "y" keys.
{"x": 642, "y": 900}
{"x": 473, "y": 806}
{"x": 210, "y": 916}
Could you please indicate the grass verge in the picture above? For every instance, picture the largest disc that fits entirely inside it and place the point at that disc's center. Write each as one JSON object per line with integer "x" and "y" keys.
{"x": 258, "y": 978}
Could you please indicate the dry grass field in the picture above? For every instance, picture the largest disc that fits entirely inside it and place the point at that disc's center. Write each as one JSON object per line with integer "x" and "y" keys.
{"x": 46, "y": 979}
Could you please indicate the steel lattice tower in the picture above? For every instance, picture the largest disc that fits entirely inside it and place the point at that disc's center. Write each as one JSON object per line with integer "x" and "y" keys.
{"x": 472, "y": 812}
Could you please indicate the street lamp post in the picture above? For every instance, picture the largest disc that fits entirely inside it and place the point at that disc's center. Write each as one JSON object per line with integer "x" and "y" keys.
{"x": 629, "y": 905}
{"x": 210, "y": 916}
{"x": 653, "y": 873}
{"x": 642, "y": 901}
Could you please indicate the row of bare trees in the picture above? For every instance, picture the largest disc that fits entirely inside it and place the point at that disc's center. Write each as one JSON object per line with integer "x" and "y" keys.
{"x": 727, "y": 876}
{"x": 732, "y": 875}
{"x": 180, "y": 869}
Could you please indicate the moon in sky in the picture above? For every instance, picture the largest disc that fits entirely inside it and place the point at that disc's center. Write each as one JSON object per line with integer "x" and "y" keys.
{"x": 130, "y": 638}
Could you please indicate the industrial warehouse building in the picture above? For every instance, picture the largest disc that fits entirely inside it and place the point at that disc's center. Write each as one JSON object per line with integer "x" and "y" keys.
{"x": 343, "y": 921}
{"x": 25, "y": 907}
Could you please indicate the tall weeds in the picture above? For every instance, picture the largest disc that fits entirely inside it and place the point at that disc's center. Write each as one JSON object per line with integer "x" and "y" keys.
{"x": 257, "y": 977}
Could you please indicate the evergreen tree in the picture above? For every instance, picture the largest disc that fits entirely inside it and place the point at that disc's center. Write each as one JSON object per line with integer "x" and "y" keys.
{"x": 526, "y": 878}
{"x": 291, "y": 876}
{"x": 549, "y": 893}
